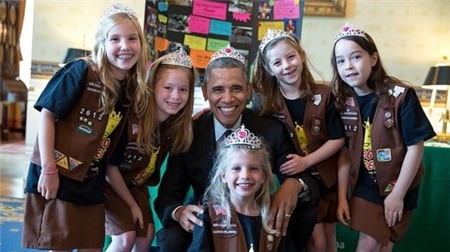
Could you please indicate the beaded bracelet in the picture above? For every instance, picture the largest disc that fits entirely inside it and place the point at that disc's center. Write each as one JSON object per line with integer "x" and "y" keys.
{"x": 45, "y": 172}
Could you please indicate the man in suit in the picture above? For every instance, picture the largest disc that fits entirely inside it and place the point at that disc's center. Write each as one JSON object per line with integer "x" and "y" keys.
{"x": 227, "y": 89}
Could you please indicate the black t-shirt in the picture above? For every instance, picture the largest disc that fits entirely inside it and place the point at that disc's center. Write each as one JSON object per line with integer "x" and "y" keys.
{"x": 335, "y": 127}
{"x": 415, "y": 127}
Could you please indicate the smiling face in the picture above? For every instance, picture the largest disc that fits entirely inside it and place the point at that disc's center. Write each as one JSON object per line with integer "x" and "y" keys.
{"x": 171, "y": 91}
{"x": 354, "y": 65}
{"x": 244, "y": 176}
{"x": 227, "y": 92}
{"x": 123, "y": 48}
{"x": 285, "y": 62}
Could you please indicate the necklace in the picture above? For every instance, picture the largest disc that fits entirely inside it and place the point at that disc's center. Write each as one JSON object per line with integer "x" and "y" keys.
{"x": 287, "y": 97}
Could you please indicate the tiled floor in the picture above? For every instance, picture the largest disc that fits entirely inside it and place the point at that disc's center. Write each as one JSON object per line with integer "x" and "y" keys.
{"x": 13, "y": 170}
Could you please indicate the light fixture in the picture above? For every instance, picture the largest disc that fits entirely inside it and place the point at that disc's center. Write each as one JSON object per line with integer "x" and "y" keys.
{"x": 438, "y": 78}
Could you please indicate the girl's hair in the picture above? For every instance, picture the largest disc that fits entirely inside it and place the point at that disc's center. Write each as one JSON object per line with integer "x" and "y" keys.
{"x": 180, "y": 123}
{"x": 218, "y": 191}
{"x": 136, "y": 89}
{"x": 266, "y": 85}
{"x": 378, "y": 78}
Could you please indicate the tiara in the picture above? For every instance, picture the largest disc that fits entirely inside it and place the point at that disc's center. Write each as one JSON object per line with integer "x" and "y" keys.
{"x": 243, "y": 138}
{"x": 117, "y": 8}
{"x": 272, "y": 34}
{"x": 228, "y": 52}
{"x": 349, "y": 30}
{"x": 177, "y": 58}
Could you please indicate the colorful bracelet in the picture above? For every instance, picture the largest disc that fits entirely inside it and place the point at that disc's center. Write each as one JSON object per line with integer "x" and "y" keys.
{"x": 45, "y": 172}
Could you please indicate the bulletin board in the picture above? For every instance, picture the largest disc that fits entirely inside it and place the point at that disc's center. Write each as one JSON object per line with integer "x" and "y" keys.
{"x": 202, "y": 27}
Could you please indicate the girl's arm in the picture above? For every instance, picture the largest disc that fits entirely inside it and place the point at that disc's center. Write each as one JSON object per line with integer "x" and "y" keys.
{"x": 297, "y": 164}
{"x": 393, "y": 204}
{"x": 48, "y": 180}
{"x": 343, "y": 210}
{"x": 117, "y": 183}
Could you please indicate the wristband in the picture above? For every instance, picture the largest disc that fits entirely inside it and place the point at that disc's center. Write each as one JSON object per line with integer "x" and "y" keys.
{"x": 45, "y": 172}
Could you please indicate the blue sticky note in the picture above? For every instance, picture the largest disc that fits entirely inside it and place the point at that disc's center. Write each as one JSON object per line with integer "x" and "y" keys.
{"x": 220, "y": 27}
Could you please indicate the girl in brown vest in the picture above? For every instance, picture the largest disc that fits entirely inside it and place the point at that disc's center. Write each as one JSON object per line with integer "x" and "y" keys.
{"x": 166, "y": 126}
{"x": 83, "y": 110}
{"x": 237, "y": 200}
{"x": 386, "y": 128}
{"x": 286, "y": 89}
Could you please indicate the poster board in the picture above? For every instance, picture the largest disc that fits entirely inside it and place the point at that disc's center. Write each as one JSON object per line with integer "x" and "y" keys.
{"x": 202, "y": 27}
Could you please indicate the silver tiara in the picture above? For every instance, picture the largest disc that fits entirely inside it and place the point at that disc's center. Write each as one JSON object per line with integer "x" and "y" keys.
{"x": 349, "y": 30}
{"x": 272, "y": 34}
{"x": 228, "y": 52}
{"x": 117, "y": 8}
{"x": 177, "y": 58}
{"x": 243, "y": 138}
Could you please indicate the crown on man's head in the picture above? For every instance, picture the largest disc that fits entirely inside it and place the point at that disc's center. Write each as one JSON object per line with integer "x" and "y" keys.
{"x": 272, "y": 34}
{"x": 177, "y": 58}
{"x": 117, "y": 8}
{"x": 242, "y": 138}
{"x": 349, "y": 30}
{"x": 228, "y": 52}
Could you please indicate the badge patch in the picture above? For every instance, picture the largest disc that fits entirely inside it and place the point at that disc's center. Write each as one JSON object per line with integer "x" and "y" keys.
{"x": 384, "y": 155}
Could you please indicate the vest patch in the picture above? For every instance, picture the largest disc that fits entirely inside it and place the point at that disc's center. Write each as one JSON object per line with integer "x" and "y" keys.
{"x": 384, "y": 155}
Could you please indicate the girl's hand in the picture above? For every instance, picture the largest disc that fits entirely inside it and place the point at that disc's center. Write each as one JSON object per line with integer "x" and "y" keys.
{"x": 137, "y": 215}
{"x": 294, "y": 165}
{"x": 393, "y": 209}
{"x": 343, "y": 212}
{"x": 48, "y": 185}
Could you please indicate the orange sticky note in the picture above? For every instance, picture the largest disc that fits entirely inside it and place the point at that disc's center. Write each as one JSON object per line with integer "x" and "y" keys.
{"x": 161, "y": 44}
{"x": 200, "y": 58}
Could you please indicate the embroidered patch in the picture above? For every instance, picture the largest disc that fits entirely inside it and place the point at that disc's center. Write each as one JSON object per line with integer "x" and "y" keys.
{"x": 384, "y": 155}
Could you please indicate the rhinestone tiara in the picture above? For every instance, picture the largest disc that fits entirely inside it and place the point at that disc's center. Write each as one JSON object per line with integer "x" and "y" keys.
{"x": 117, "y": 8}
{"x": 228, "y": 52}
{"x": 242, "y": 138}
{"x": 177, "y": 58}
{"x": 349, "y": 30}
{"x": 272, "y": 34}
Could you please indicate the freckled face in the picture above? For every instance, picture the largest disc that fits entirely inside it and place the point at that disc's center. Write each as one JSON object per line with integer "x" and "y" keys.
{"x": 285, "y": 63}
{"x": 171, "y": 91}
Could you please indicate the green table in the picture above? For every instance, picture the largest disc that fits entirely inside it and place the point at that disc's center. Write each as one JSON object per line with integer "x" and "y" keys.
{"x": 430, "y": 226}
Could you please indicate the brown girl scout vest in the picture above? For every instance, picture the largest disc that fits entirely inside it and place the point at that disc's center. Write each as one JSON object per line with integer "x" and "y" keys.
{"x": 233, "y": 239}
{"x": 139, "y": 168}
{"x": 387, "y": 143}
{"x": 81, "y": 136}
{"x": 315, "y": 126}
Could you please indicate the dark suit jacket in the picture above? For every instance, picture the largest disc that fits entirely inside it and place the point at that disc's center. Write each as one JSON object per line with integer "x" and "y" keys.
{"x": 192, "y": 168}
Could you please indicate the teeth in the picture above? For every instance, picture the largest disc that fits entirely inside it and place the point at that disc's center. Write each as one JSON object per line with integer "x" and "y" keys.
{"x": 228, "y": 109}
{"x": 125, "y": 57}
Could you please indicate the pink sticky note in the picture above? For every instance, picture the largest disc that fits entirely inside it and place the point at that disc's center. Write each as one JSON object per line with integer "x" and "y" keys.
{"x": 199, "y": 24}
{"x": 210, "y": 9}
{"x": 286, "y": 9}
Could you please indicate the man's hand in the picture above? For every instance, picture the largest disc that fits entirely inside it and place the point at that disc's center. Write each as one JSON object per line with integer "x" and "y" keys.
{"x": 283, "y": 204}
{"x": 187, "y": 217}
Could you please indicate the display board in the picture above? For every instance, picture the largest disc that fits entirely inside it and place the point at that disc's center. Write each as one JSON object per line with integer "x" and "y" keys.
{"x": 202, "y": 27}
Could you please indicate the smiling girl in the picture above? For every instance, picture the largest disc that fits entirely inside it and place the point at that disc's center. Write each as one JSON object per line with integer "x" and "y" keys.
{"x": 165, "y": 126}
{"x": 83, "y": 108}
